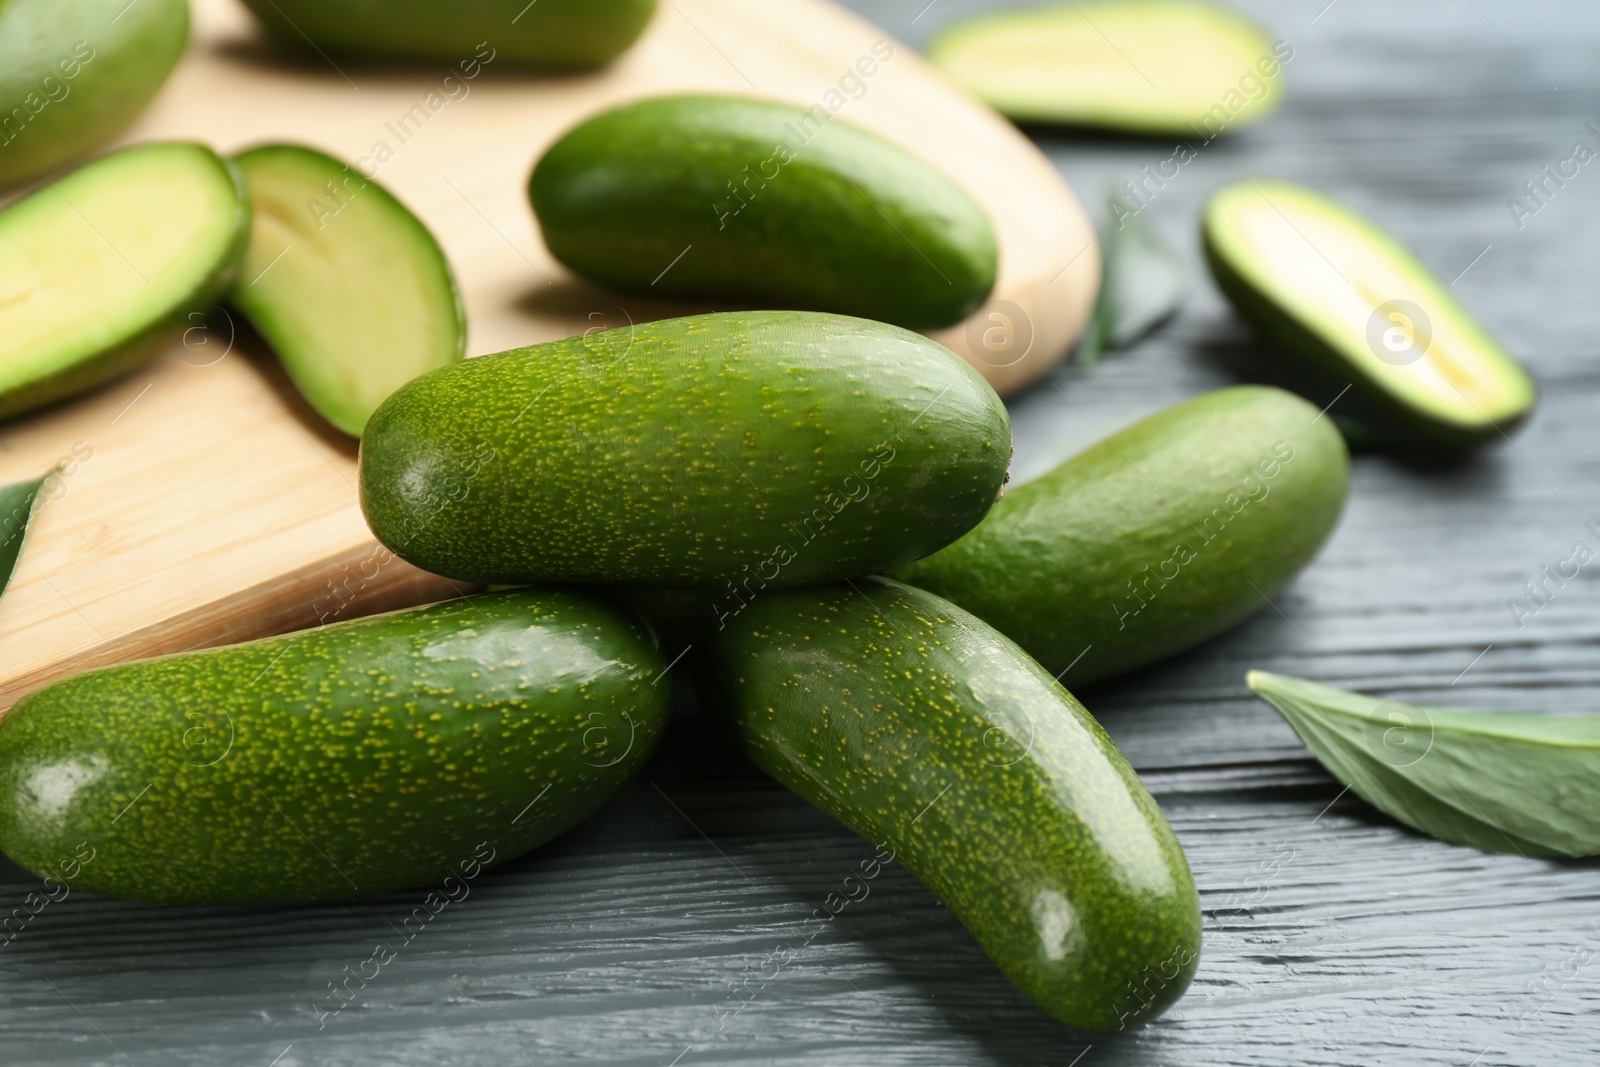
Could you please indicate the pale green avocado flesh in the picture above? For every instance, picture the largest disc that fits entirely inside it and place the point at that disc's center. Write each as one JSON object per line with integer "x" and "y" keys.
{"x": 347, "y": 285}
{"x": 98, "y": 266}
{"x": 1341, "y": 293}
{"x": 1145, "y": 66}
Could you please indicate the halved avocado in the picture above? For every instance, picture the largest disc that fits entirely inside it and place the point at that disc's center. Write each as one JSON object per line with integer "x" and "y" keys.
{"x": 97, "y": 268}
{"x": 1144, "y": 66}
{"x": 1334, "y": 289}
{"x": 349, "y": 287}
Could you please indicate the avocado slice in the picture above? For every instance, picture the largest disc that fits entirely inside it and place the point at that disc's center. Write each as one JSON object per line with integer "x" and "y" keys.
{"x": 98, "y": 268}
{"x": 1337, "y": 291}
{"x": 1142, "y": 66}
{"x": 73, "y": 74}
{"x": 349, "y": 287}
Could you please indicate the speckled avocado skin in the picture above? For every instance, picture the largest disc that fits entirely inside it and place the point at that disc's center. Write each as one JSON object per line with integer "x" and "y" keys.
{"x": 729, "y": 452}
{"x": 365, "y": 756}
{"x": 552, "y": 34}
{"x": 73, "y": 75}
{"x": 766, "y": 203}
{"x": 1164, "y": 534}
{"x": 921, "y": 727}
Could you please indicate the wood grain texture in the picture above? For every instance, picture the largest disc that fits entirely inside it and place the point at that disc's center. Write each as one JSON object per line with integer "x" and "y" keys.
{"x": 217, "y": 507}
{"x": 1334, "y": 936}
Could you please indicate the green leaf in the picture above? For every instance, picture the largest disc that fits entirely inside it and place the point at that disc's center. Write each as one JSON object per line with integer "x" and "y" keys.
{"x": 1143, "y": 282}
{"x": 1528, "y": 784}
{"x": 16, "y": 509}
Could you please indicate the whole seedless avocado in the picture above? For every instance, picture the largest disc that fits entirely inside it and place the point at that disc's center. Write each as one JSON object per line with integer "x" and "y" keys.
{"x": 722, "y": 197}
{"x": 929, "y": 733}
{"x": 558, "y": 34}
{"x": 1162, "y": 535}
{"x": 733, "y": 452}
{"x": 73, "y": 74}
{"x": 361, "y": 757}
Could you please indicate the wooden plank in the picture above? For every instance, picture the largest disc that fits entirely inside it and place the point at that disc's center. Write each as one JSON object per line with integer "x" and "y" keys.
{"x": 216, "y": 507}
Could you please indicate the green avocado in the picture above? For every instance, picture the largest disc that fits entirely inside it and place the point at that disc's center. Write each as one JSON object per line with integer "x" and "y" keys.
{"x": 1352, "y": 302}
{"x": 728, "y": 198}
{"x": 99, "y": 269}
{"x": 347, "y": 285}
{"x": 555, "y": 34}
{"x": 73, "y": 74}
{"x": 1160, "y": 67}
{"x": 361, "y": 757}
{"x": 927, "y": 732}
{"x": 1164, "y": 534}
{"x": 728, "y": 452}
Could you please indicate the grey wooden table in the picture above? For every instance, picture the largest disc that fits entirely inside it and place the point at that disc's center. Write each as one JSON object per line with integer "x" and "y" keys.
{"x": 1333, "y": 936}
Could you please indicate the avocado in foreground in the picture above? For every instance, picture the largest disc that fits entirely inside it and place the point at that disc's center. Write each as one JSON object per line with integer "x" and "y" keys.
{"x": 729, "y": 452}
{"x": 349, "y": 287}
{"x": 1339, "y": 293}
{"x": 930, "y": 734}
{"x": 362, "y": 757}
{"x": 554, "y": 34}
{"x": 1164, "y": 534}
{"x": 72, "y": 75}
{"x": 1159, "y": 67}
{"x": 99, "y": 268}
{"x": 728, "y": 198}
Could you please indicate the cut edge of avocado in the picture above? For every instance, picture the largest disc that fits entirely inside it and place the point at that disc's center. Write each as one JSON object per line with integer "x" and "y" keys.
{"x": 1304, "y": 268}
{"x": 81, "y": 242}
{"x": 1030, "y": 65}
{"x": 348, "y": 286}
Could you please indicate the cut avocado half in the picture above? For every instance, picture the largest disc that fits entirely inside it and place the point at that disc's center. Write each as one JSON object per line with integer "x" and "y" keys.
{"x": 97, "y": 268}
{"x": 1142, "y": 66}
{"x": 348, "y": 286}
{"x": 1333, "y": 288}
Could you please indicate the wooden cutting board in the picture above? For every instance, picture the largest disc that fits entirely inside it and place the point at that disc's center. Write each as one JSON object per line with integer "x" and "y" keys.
{"x": 201, "y": 502}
